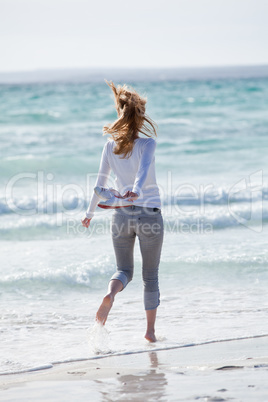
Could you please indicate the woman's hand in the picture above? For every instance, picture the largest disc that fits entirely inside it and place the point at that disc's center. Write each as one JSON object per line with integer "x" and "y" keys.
{"x": 85, "y": 222}
{"x": 131, "y": 196}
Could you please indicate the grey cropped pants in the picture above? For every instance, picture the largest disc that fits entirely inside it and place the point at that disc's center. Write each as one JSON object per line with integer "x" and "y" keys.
{"x": 147, "y": 224}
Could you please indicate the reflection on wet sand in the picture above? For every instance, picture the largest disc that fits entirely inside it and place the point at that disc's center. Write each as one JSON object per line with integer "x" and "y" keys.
{"x": 151, "y": 383}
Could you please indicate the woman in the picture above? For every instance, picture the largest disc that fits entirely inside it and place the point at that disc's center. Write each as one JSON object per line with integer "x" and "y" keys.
{"x": 132, "y": 160}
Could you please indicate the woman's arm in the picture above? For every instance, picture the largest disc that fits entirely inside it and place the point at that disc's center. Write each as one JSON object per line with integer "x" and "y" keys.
{"x": 145, "y": 162}
{"x": 103, "y": 174}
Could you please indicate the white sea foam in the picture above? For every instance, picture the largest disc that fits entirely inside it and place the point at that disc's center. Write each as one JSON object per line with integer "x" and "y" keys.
{"x": 176, "y": 220}
{"x": 70, "y": 276}
{"x": 51, "y": 203}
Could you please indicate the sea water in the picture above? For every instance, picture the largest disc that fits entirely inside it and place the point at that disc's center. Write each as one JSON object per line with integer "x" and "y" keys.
{"x": 211, "y": 163}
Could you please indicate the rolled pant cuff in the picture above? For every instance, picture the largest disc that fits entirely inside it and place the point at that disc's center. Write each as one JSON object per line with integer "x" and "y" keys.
{"x": 151, "y": 300}
{"x": 121, "y": 277}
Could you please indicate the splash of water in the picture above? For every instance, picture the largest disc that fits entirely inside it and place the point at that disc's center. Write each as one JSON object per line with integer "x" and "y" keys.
{"x": 99, "y": 339}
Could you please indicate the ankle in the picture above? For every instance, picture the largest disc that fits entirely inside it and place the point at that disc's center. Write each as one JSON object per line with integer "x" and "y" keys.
{"x": 150, "y": 335}
{"x": 110, "y": 296}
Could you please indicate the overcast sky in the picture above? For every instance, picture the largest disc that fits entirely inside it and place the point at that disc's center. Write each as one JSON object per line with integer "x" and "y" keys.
{"x": 38, "y": 34}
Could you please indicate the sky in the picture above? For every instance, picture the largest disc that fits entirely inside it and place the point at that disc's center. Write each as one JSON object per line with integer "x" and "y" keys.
{"x": 54, "y": 34}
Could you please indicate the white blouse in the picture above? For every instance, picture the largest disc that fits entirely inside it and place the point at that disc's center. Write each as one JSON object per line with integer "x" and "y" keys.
{"x": 136, "y": 173}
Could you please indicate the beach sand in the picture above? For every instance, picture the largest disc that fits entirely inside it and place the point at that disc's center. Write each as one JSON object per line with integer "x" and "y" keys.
{"x": 213, "y": 371}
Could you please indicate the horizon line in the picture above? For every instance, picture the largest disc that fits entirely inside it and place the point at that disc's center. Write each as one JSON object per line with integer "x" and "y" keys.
{"x": 55, "y": 69}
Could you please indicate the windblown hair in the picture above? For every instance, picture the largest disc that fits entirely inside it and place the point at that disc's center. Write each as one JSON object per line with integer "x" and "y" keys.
{"x": 131, "y": 120}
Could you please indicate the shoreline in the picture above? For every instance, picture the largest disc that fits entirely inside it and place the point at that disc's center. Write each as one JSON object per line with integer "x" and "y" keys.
{"x": 135, "y": 352}
{"x": 234, "y": 365}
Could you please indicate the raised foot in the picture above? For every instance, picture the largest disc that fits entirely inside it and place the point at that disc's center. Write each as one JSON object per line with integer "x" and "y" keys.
{"x": 150, "y": 336}
{"x": 104, "y": 309}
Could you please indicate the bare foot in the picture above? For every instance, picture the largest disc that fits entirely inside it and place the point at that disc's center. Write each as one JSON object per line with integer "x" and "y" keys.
{"x": 150, "y": 336}
{"x": 104, "y": 309}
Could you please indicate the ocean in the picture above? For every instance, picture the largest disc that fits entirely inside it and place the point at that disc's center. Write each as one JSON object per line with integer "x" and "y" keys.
{"x": 211, "y": 165}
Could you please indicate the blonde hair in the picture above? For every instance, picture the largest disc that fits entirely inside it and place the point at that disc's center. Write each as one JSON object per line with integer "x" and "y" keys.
{"x": 131, "y": 120}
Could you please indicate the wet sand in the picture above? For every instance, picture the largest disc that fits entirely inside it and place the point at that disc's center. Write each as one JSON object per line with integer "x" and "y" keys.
{"x": 218, "y": 371}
